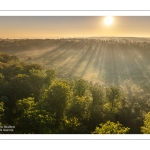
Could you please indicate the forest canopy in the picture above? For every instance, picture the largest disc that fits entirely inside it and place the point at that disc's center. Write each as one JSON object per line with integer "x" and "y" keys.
{"x": 35, "y": 100}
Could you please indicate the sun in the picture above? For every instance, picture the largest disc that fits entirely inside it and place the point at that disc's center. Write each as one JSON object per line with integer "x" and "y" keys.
{"x": 108, "y": 20}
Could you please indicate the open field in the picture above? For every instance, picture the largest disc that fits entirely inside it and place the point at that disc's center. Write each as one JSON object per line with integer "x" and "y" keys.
{"x": 105, "y": 60}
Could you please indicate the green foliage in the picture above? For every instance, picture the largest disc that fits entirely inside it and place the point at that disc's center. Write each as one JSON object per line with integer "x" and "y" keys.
{"x": 37, "y": 81}
{"x": 50, "y": 76}
{"x": 146, "y": 128}
{"x": 4, "y": 58}
{"x": 35, "y": 122}
{"x": 31, "y": 119}
{"x": 80, "y": 87}
{"x": 36, "y": 101}
{"x": 24, "y": 105}
{"x": 71, "y": 126}
{"x": 2, "y": 82}
{"x": 80, "y": 107}
{"x": 1, "y": 77}
{"x": 1, "y": 112}
{"x": 112, "y": 93}
{"x": 20, "y": 86}
{"x": 97, "y": 115}
{"x": 29, "y": 67}
{"x": 113, "y": 96}
{"x": 97, "y": 94}
{"x": 1, "y": 108}
{"x": 57, "y": 98}
{"x": 111, "y": 128}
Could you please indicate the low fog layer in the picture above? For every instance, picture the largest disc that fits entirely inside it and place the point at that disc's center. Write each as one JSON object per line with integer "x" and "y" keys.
{"x": 113, "y": 60}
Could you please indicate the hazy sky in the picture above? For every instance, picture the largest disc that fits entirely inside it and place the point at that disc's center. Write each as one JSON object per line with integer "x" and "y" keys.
{"x": 59, "y": 27}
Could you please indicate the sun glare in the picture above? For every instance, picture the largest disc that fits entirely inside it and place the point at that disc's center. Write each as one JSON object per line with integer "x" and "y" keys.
{"x": 108, "y": 20}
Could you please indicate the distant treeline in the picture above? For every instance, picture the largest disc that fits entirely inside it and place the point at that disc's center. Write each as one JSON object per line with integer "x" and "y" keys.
{"x": 35, "y": 101}
{"x": 17, "y": 44}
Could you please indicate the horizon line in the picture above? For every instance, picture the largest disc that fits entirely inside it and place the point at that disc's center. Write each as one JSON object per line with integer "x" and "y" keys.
{"x": 82, "y": 37}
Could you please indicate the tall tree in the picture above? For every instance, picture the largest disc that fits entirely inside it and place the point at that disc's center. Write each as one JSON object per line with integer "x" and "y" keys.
{"x": 50, "y": 76}
{"x": 57, "y": 99}
{"x": 80, "y": 87}
{"x": 113, "y": 94}
{"x": 97, "y": 94}
{"x": 31, "y": 119}
{"x": 37, "y": 81}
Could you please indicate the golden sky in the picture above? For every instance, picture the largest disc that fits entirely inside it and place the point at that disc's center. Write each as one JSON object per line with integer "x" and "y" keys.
{"x": 75, "y": 26}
